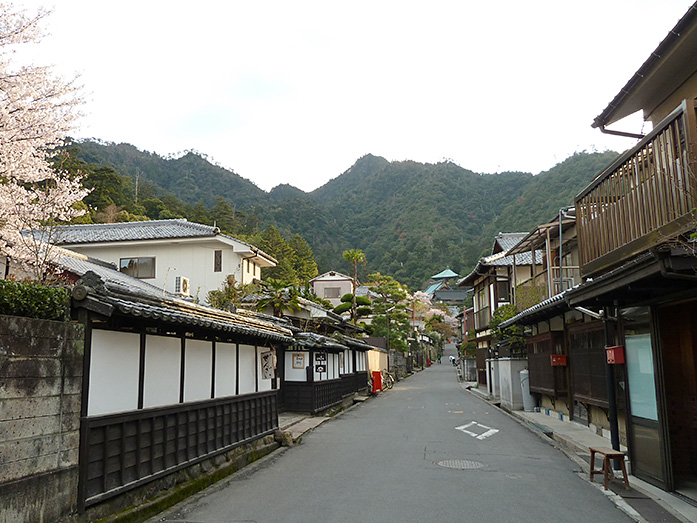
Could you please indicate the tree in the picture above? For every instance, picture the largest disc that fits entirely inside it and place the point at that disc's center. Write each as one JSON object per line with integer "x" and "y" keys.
{"x": 305, "y": 264}
{"x": 37, "y": 111}
{"x": 273, "y": 243}
{"x": 278, "y": 295}
{"x": 513, "y": 335}
{"x": 391, "y": 319}
{"x": 230, "y": 294}
{"x": 354, "y": 256}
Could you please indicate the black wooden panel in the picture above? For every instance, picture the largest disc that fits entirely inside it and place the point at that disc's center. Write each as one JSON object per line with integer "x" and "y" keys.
{"x": 126, "y": 450}
{"x": 587, "y": 360}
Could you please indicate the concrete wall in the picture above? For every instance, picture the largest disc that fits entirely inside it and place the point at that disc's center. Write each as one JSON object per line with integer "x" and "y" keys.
{"x": 509, "y": 379}
{"x": 40, "y": 398}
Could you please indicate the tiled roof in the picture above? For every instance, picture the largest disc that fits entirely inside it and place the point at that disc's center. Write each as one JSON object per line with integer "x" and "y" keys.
{"x": 500, "y": 259}
{"x": 133, "y": 297}
{"x": 317, "y": 341}
{"x": 433, "y": 288}
{"x": 79, "y": 265}
{"x": 331, "y": 275}
{"x": 145, "y": 230}
{"x": 447, "y": 273}
{"x": 508, "y": 240}
{"x": 129, "y": 231}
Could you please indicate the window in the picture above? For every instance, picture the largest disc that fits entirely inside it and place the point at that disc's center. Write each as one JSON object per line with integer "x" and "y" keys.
{"x": 138, "y": 267}
{"x": 332, "y": 292}
{"x": 503, "y": 290}
{"x": 218, "y": 261}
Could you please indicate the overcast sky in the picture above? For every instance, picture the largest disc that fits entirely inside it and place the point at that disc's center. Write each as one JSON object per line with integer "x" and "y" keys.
{"x": 296, "y": 91}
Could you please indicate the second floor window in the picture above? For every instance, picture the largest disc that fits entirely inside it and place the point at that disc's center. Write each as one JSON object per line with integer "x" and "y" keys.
{"x": 332, "y": 292}
{"x": 503, "y": 289}
{"x": 218, "y": 261}
{"x": 138, "y": 267}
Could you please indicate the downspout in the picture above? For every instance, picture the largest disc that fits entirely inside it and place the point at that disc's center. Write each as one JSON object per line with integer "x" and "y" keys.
{"x": 550, "y": 279}
{"x": 611, "y": 393}
{"x": 562, "y": 214}
{"x": 256, "y": 253}
{"x": 621, "y": 133}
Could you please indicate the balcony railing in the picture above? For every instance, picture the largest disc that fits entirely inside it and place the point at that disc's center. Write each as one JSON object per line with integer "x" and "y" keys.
{"x": 645, "y": 198}
{"x": 570, "y": 276}
{"x": 482, "y": 317}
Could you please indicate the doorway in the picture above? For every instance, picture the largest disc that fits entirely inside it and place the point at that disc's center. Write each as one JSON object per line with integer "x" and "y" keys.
{"x": 646, "y": 420}
{"x": 678, "y": 331}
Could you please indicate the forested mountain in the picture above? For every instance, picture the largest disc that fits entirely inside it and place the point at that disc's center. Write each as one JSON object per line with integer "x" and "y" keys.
{"x": 411, "y": 219}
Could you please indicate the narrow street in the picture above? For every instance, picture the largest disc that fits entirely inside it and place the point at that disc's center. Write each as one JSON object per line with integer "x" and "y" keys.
{"x": 427, "y": 450}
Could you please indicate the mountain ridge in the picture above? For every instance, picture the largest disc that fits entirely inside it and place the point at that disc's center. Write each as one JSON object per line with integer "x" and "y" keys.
{"x": 411, "y": 219}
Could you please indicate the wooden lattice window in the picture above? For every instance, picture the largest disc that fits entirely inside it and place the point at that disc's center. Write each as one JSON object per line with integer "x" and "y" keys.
{"x": 587, "y": 355}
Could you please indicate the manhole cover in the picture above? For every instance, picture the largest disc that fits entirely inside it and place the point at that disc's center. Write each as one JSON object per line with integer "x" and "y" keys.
{"x": 461, "y": 464}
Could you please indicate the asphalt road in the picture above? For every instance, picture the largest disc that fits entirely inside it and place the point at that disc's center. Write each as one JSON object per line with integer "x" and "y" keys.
{"x": 424, "y": 451}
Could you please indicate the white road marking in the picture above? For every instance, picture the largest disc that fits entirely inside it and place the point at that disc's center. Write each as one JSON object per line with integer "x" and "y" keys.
{"x": 488, "y": 431}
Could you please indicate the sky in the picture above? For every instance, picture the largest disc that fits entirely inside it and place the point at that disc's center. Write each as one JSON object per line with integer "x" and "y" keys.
{"x": 296, "y": 91}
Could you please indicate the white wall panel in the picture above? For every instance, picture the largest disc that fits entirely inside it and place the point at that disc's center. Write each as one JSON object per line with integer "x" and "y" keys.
{"x": 198, "y": 365}
{"x": 114, "y": 370}
{"x": 247, "y": 369}
{"x": 162, "y": 369}
{"x": 225, "y": 369}
{"x": 263, "y": 384}
{"x": 299, "y": 374}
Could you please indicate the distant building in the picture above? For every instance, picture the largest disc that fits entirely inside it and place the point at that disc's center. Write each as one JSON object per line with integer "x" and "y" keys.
{"x": 331, "y": 286}
{"x": 440, "y": 290}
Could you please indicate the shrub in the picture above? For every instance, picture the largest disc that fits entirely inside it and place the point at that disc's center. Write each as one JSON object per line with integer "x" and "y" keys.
{"x": 33, "y": 301}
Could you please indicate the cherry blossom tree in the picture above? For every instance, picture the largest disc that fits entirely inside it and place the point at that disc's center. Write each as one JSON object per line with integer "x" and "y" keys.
{"x": 37, "y": 111}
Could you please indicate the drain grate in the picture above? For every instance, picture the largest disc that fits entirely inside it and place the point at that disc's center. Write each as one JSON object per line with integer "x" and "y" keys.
{"x": 460, "y": 464}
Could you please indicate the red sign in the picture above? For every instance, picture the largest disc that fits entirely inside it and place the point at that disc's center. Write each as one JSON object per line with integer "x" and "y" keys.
{"x": 615, "y": 355}
{"x": 558, "y": 360}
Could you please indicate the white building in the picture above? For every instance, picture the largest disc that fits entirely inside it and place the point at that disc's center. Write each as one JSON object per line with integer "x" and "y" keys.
{"x": 175, "y": 255}
{"x": 332, "y": 286}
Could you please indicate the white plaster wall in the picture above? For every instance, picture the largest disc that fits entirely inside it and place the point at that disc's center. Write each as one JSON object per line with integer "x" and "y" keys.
{"x": 296, "y": 374}
{"x": 162, "y": 371}
{"x": 332, "y": 366}
{"x": 345, "y": 286}
{"x": 191, "y": 260}
{"x": 114, "y": 370}
{"x": 264, "y": 384}
{"x": 247, "y": 375}
{"x": 225, "y": 369}
{"x": 198, "y": 370}
{"x": 361, "y": 360}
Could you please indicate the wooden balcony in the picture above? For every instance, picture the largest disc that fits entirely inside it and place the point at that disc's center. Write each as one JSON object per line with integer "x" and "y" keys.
{"x": 570, "y": 276}
{"x": 482, "y": 317}
{"x": 645, "y": 198}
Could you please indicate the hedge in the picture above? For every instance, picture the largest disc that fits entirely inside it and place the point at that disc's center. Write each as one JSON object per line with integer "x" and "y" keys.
{"x": 33, "y": 301}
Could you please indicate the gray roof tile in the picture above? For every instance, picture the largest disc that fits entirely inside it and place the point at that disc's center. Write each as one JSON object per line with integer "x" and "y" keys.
{"x": 128, "y": 231}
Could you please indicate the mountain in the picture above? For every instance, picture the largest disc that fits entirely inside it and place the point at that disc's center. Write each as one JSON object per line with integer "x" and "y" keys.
{"x": 190, "y": 177}
{"x": 411, "y": 219}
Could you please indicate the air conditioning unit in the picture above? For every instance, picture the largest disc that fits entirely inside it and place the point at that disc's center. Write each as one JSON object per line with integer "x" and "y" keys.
{"x": 182, "y": 286}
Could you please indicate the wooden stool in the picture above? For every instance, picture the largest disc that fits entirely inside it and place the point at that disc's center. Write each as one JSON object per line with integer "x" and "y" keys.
{"x": 609, "y": 454}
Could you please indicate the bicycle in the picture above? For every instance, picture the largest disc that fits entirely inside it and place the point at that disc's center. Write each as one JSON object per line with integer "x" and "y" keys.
{"x": 387, "y": 380}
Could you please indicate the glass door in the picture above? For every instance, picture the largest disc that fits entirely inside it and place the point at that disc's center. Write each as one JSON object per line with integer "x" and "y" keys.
{"x": 645, "y": 434}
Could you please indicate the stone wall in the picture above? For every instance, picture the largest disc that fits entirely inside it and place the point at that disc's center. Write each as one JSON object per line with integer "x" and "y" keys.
{"x": 40, "y": 397}
{"x": 398, "y": 363}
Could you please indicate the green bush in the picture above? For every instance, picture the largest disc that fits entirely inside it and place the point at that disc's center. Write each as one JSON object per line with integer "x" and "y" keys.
{"x": 33, "y": 301}
{"x": 340, "y": 309}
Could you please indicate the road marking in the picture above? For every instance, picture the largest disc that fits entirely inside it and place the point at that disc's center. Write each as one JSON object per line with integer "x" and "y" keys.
{"x": 482, "y": 431}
